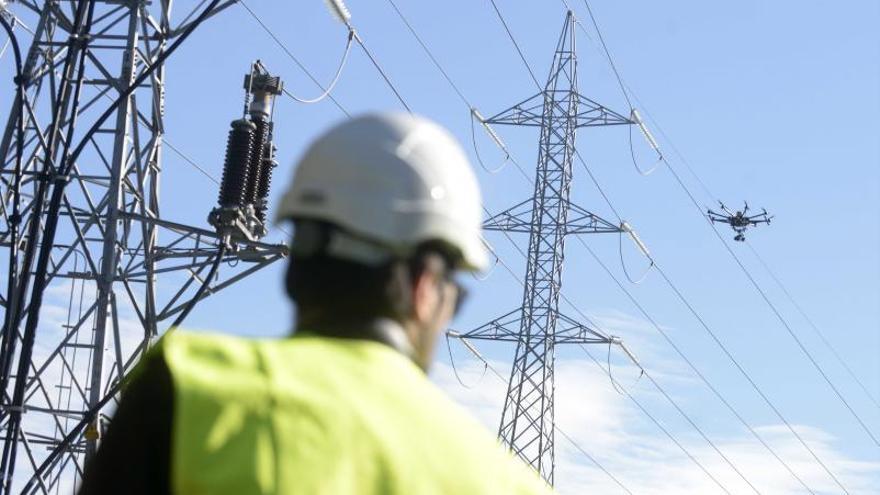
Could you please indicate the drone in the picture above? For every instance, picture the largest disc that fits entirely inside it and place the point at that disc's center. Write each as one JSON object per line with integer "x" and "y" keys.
{"x": 739, "y": 221}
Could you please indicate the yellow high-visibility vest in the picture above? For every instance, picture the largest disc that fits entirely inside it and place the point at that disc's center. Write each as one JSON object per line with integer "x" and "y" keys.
{"x": 315, "y": 415}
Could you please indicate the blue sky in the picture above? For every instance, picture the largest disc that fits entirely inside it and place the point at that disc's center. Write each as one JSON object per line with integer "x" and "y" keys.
{"x": 776, "y": 103}
{"x": 771, "y": 102}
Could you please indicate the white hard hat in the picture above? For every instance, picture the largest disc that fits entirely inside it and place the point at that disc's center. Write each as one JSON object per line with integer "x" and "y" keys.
{"x": 390, "y": 180}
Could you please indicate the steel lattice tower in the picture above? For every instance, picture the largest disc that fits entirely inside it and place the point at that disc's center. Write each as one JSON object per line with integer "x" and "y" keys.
{"x": 119, "y": 268}
{"x": 527, "y": 422}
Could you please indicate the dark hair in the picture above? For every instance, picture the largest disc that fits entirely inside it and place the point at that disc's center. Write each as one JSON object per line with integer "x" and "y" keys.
{"x": 350, "y": 291}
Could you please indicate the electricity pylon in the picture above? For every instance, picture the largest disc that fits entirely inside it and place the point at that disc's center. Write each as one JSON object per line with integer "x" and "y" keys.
{"x": 117, "y": 266}
{"x": 537, "y": 326}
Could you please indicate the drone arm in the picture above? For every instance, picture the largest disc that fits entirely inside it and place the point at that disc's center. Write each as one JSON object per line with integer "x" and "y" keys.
{"x": 715, "y": 217}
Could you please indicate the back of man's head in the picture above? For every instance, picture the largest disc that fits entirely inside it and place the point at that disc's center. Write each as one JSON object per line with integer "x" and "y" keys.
{"x": 376, "y": 201}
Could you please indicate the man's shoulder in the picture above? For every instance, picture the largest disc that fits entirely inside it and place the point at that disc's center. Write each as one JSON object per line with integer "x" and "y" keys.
{"x": 211, "y": 364}
{"x": 222, "y": 361}
{"x": 182, "y": 349}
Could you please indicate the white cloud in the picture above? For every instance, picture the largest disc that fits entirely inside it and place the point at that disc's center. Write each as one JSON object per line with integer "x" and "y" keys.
{"x": 612, "y": 430}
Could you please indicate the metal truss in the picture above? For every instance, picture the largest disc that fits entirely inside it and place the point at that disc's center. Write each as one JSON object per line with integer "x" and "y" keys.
{"x": 119, "y": 267}
{"x": 537, "y": 326}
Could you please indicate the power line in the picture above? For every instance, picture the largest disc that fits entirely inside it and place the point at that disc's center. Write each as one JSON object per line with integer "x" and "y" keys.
{"x": 670, "y": 341}
{"x": 403, "y": 102}
{"x": 655, "y": 383}
{"x": 430, "y": 55}
{"x": 677, "y": 408}
{"x": 387, "y": 80}
{"x": 813, "y": 326}
{"x": 559, "y": 430}
{"x": 352, "y": 35}
{"x": 712, "y": 334}
{"x": 775, "y": 311}
{"x": 655, "y": 420}
{"x": 515, "y": 44}
{"x": 742, "y": 266}
{"x": 705, "y": 380}
{"x": 382, "y": 72}
{"x": 766, "y": 266}
{"x": 567, "y": 437}
{"x": 773, "y": 307}
{"x": 626, "y": 393}
{"x": 291, "y": 56}
{"x": 748, "y": 274}
{"x": 598, "y": 186}
{"x": 190, "y": 161}
{"x": 591, "y": 458}
{"x": 608, "y": 54}
{"x": 471, "y": 107}
{"x": 464, "y": 99}
{"x": 671, "y": 144}
{"x": 333, "y": 82}
{"x": 611, "y": 205}
{"x": 571, "y": 440}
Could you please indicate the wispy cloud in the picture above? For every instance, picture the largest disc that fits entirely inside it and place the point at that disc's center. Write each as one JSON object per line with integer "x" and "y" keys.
{"x": 612, "y": 430}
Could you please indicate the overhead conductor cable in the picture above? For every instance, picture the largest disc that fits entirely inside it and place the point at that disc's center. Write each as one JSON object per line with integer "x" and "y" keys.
{"x": 343, "y": 15}
{"x": 659, "y": 329}
{"x": 471, "y": 108}
{"x": 556, "y": 427}
{"x": 528, "y": 179}
{"x": 296, "y": 61}
{"x": 516, "y": 277}
{"x": 687, "y": 191}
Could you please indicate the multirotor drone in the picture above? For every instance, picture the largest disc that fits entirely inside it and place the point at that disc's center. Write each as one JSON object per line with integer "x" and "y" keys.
{"x": 740, "y": 220}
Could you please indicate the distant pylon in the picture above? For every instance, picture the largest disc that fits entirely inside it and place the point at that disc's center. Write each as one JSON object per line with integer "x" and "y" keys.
{"x": 537, "y": 326}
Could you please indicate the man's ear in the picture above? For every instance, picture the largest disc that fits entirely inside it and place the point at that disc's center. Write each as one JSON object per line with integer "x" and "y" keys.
{"x": 425, "y": 296}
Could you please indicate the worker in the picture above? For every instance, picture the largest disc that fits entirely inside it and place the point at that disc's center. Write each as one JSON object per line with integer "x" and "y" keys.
{"x": 385, "y": 211}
